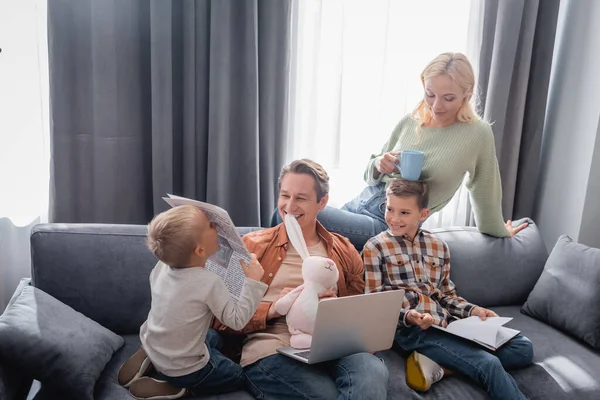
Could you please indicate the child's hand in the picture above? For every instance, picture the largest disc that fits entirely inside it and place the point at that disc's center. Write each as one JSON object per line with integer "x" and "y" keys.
{"x": 482, "y": 313}
{"x": 272, "y": 313}
{"x": 423, "y": 321}
{"x": 253, "y": 270}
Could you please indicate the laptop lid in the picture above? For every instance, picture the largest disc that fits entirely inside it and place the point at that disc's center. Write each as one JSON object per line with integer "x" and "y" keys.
{"x": 353, "y": 324}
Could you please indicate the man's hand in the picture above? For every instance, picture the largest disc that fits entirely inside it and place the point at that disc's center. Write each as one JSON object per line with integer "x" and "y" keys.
{"x": 482, "y": 313}
{"x": 387, "y": 163}
{"x": 252, "y": 270}
{"x": 272, "y": 313}
{"x": 423, "y": 321}
{"x": 327, "y": 293}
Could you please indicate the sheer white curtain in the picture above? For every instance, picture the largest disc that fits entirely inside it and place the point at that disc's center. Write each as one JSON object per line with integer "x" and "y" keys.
{"x": 355, "y": 73}
{"x": 24, "y": 135}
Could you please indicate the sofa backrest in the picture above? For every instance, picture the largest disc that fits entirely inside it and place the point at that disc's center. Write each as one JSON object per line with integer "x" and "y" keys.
{"x": 491, "y": 271}
{"x": 102, "y": 270}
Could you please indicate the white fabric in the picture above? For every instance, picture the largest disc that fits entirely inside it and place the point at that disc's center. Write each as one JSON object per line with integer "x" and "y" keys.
{"x": 183, "y": 304}
{"x": 355, "y": 73}
{"x": 24, "y": 138}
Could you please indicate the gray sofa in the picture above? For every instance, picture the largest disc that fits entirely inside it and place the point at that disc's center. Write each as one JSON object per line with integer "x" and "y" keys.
{"x": 102, "y": 271}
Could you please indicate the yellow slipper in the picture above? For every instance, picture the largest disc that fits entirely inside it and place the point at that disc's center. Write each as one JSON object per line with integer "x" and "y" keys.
{"x": 422, "y": 372}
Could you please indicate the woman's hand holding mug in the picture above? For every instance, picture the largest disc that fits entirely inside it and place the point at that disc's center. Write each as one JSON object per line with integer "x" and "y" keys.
{"x": 387, "y": 164}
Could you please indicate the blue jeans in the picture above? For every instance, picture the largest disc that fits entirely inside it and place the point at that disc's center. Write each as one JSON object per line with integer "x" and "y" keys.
{"x": 485, "y": 367}
{"x": 358, "y": 376}
{"x": 220, "y": 375}
{"x": 358, "y": 220}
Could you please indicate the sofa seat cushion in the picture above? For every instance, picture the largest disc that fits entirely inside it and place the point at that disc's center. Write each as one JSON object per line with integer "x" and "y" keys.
{"x": 454, "y": 387}
{"x": 108, "y": 388}
{"x": 565, "y": 367}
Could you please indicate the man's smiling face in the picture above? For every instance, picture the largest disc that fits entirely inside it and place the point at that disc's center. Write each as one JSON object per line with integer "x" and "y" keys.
{"x": 298, "y": 197}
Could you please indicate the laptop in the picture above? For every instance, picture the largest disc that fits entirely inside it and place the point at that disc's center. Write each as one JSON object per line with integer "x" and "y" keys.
{"x": 352, "y": 324}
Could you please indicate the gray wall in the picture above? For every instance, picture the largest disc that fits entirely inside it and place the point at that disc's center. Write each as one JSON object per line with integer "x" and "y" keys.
{"x": 569, "y": 188}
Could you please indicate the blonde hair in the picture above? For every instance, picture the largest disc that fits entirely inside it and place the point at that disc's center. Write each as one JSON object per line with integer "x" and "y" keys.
{"x": 459, "y": 69}
{"x": 174, "y": 234}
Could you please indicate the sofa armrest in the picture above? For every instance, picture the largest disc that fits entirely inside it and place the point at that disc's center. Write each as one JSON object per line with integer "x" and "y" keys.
{"x": 14, "y": 385}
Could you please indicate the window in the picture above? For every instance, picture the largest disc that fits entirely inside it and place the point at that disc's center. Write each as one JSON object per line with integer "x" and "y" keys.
{"x": 355, "y": 72}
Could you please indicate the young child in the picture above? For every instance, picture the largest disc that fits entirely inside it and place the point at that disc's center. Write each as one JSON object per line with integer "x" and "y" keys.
{"x": 176, "y": 340}
{"x": 407, "y": 257}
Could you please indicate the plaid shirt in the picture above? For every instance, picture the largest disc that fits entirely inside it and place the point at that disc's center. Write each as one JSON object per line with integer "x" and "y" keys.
{"x": 421, "y": 268}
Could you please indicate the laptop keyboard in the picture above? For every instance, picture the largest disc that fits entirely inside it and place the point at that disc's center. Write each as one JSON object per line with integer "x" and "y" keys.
{"x": 303, "y": 354}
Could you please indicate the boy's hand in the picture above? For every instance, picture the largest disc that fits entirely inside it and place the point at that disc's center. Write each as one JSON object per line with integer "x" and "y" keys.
{"x": 423, "y": 321}
{"x": 272, "y": 313}
{"x": 482, "y": 313}
{"x": 252, "y": 270}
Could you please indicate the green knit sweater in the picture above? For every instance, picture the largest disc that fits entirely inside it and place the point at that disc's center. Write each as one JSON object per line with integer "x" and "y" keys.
{"x": 450, "y": 153}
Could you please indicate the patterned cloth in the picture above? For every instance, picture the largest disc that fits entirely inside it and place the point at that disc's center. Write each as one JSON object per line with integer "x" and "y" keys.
{"x": 421, "y": 268}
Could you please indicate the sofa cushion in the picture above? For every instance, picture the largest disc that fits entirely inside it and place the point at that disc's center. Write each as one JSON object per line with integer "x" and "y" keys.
{"x": 489, "y": 271}
{"x": 119, "y": 300}
{"x": 565, "y": 296}
{"x": 107, "y": 387}
{"x": 108, "y": 267}
{"x": 564, "y": 367}
{"x": 55, "y": 344}
{"x": 13, "y": 381}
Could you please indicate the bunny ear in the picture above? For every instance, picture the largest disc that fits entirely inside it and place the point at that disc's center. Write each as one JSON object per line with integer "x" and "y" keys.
{"x": 295, "y": 235}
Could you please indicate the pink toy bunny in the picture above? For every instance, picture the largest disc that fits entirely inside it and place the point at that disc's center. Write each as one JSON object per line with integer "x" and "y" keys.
{"x": 300, "y": 305}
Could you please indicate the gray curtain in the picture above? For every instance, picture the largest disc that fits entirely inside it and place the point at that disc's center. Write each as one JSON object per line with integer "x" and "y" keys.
{"x": 514, "y": 73}
{"x": 569, "y": 184}
{"x": 154, "y": 97}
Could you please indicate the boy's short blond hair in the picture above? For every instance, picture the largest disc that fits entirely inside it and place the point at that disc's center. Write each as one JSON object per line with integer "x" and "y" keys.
{"x": 174, "y": 234}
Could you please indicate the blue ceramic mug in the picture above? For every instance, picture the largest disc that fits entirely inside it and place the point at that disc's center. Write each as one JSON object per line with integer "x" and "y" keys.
{"x": 411, "y": 164}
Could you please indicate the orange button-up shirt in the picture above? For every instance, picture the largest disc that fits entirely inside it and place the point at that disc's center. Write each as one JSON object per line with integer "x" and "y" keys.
{"x": 270, "y": 246}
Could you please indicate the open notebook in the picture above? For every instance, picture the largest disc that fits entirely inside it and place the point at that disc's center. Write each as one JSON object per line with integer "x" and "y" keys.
{"x": 489, "y": 333}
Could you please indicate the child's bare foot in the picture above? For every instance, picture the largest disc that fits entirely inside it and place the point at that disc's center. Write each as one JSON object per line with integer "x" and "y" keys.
{"x": 422, "y": 372}
{"x": 134, "y": 368}
{"x": 152, "y": 389}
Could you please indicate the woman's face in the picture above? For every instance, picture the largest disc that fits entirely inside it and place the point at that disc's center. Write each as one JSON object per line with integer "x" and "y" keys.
{"x": 444, "y": 98}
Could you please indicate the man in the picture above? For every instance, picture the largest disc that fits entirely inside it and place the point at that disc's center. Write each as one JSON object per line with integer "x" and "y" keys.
{"x": 303, "y": 192}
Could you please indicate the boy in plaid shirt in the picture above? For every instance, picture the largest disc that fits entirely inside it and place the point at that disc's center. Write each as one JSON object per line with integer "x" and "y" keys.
{"x": 407, "y": 257}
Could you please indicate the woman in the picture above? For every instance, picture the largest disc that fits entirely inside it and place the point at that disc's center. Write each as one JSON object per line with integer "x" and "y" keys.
{"x": 455, "y": 141}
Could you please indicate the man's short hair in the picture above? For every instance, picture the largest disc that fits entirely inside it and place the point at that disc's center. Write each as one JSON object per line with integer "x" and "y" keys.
{"x": 306, "y": 166}
{"x": 174, "y": 234}
{"x": 406, "y": 188}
